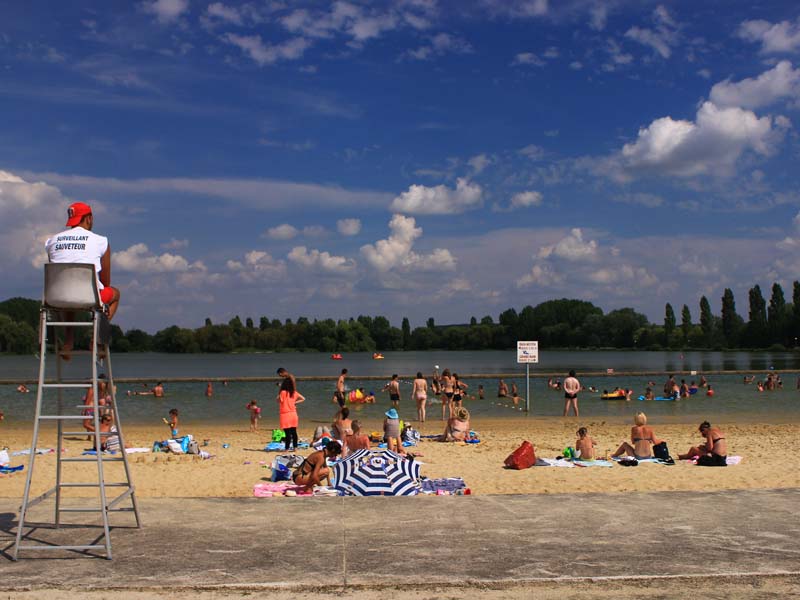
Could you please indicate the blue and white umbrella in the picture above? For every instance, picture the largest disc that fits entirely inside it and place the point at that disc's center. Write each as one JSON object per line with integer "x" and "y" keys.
{"x": 376, "y": 473}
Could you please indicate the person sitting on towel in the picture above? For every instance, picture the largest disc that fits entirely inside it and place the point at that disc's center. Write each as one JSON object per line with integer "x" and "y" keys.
{"x": 315, "y": 468}
{"x": 457, "y": 428}
{"x": 714, "y": 452}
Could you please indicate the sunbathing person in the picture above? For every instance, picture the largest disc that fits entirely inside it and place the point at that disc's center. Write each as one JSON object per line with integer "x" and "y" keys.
{"x": 584, "y": 445}
{"x": 315, "y": 468}
{"x": 457, "y": 428}
{"x": 343, "y": 425}
{"x": 357, "y": 440}
{"x": 714, "y": 452}
{"x": 643, "y": 438}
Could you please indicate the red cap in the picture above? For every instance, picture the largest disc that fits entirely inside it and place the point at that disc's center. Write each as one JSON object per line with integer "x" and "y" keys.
{"x": 76, "y": 212}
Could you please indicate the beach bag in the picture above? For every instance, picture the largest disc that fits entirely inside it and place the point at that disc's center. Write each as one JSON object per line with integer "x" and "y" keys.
{"x": 410, "y": 435}
{"x": 522, "y": 458}
{"x": 278, "y": 435}
{"x": 194, "y": 448}
{"x": 175, "y": 447}
{"x": 661, "y": 451}
{"x": 291, "y": 461}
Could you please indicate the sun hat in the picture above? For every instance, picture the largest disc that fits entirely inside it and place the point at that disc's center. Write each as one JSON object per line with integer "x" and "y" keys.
{"x": 462, "y": 414}
{"x": 392, "y": 413}
{"x": 76, "y": 212}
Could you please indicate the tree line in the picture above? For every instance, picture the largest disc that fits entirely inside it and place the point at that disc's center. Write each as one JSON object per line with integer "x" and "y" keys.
{"x": 563, "y": 323}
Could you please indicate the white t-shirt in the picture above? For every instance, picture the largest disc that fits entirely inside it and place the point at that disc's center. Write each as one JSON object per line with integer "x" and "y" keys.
{"x": 77, "y": 245}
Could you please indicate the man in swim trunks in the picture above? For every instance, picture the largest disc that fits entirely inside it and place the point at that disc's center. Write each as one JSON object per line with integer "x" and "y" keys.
{"x": 315, "y": 468}
{"x": 571, "y": 388}
{"x": 79, "y": 244}
{"x": 338, "y": 395}
{"x": 394, "y": 391}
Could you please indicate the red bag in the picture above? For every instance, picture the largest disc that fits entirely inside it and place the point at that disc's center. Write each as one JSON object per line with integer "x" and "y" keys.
{"x": 522, "y": 458}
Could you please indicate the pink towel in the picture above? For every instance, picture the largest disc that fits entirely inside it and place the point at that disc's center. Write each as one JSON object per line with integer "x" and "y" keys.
{"x": 267, "y": 489}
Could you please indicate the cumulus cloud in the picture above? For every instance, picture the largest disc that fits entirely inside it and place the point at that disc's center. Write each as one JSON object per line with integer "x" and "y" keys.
{"x": 344, "y": 18}
{"x": 396, "y": 252}
{"x": 175, "y": 244}
{"x": 266, "y": 54}
{"x": 282, "y": 232}
{"x": 438, "y": 45}
{"x": 779, "y": 82}
{"x": 138, "y": 258}
{"x": 661, "y": 37}
{"x": 348, "y": 227}
{"x": 439, "y": 200}
{"x": 712, "y": 144}
{"x": 526, "y": 199}
{"x": 527, "y": 59}
{"x": 775, "y": 38}
{"x": 257, "y": 267}
{"x": 229, "y": 14}
{"x": 324, "y": 261}
{"x": 532, "y": 151}
{"x": 166, "y": 11}
{"x": 572, "y": 247}
{"x": 479, "y": 163}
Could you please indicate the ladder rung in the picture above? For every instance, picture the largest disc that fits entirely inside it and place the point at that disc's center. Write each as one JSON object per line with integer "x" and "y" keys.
{"x": 121, "y": 484}
{"x": 69, "y": 323}
{"x": 66, "y": 385}
{"x": 57, "y": 417}
{"x": 88, "y": 547}
{"x": 92, "y": 459}
{"x": 100, "y": 353}
{"x": 91, "y": 433}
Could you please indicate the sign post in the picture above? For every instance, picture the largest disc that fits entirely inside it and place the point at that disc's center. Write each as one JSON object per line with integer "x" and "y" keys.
{"x": 527, "y": 353}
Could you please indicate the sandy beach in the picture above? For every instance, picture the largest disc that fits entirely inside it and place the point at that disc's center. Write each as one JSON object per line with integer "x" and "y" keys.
{"x": 234, "y": 470}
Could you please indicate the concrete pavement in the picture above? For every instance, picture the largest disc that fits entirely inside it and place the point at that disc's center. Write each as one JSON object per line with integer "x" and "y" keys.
{"x": 326, "y": 543}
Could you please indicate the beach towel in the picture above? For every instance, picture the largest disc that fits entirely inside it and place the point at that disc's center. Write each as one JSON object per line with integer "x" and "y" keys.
{"x": 136, "y": 450}
{"x": 593, "y": 463}
{"x": 6, "y": 470}
{"x": 38, "y": 451}
{"x": 447, "y": 484}
{"x": 281, "y": 447}
{"x": 268, "y": 489}
{"x": 554, "y": 462}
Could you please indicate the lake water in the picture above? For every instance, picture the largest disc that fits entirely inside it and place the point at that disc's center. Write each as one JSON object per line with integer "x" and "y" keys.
{"x": 733, "y": 400}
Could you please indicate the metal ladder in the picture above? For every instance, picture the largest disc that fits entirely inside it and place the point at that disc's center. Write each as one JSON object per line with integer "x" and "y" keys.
{"x": 58, "y": 278}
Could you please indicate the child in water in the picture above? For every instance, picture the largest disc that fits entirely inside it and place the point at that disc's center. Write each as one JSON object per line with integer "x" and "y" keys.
{"x": 255, "y": 414}
{"x": 172, "y": 423}
{"x": 584, "y": 445}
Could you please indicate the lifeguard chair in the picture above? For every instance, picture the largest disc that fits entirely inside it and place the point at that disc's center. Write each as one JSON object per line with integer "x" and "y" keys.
{"x": 72, "y": 288}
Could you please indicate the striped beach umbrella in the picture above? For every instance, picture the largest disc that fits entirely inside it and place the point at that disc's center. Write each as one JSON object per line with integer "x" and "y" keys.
{"x": 376, "y": 473}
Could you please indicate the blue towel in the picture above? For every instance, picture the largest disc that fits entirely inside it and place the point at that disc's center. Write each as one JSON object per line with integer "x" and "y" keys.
{"x": 11, "y": 469}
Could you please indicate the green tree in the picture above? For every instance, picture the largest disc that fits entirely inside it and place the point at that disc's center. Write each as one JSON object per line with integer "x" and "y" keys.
{"x": 706, "y": 320}
{"x": 263, "y": 323}
{"x": 16, "y": 337}
{"x": 776, "y": 316}
{"x": 731, "y": 322}
{"x": 430, "y": 323}
{"x": 22, "y": 310}
{"x": 686, "y": 323}
{"x": 795, "y": 311}
{"x": 757, "y": 333}
{"x": 669, "y": 323}
{"x": 406, "y": 328}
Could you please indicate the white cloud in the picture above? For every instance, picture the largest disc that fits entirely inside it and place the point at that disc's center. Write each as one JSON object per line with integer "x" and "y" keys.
{"x": 264, "y": 54}
{"x": 479, "y": 163}
{"x": 258, "y": 267}
{"x": 139, "y": 259}
{"x": 224, "y": 12}
{"x": 348, "y": 227}
{"x": 541, "y": 274}
{"x": 440, "y": 44}
{"x": 347, "y": 19}
{"x": 396, "y": 252}
{"x": 779, "y": 82}
{"x": 439, "y": 200}
{"x": 775, "y": 38}
{"x": 662, "y": 37}
{"x": 571, "y": 247}
{"x": 175, "y": 244}
{"x": 526, "y": 199}
{"x": 282, "y": 232}
{"x": 709, "y": 145}
{"x": 704, "y": 73}
{"x": 166, "y": 10}
{"x": 527, "y": 59}
{"x": 320, "y": 260}
{"x": 533, "y": 151}
{"x": 616, "y": 56}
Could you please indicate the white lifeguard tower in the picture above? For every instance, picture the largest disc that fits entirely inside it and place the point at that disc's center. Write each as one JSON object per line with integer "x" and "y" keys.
{"x": 72, "y": 288}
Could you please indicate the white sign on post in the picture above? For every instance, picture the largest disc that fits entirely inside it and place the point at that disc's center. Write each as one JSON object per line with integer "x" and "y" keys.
{"x": 527, "y": 352}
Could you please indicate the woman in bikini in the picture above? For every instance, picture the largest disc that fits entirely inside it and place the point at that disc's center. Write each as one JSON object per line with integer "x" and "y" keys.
{"x": 458, "y": 387}
{"x": 315, "y": 468}
{"x": 447, "y": 393}
{"x": 419, "y": 393}
{"x": 643, "y": 438}
{"x": 714, "y": 452}
{"x": 457, "y": 428}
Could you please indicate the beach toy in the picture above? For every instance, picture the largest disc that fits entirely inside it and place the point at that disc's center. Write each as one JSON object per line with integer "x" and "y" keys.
{"x": 226, "y": 445}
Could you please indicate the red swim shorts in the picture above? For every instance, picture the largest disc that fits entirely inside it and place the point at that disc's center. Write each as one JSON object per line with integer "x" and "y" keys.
{"x": 106, "y": 295}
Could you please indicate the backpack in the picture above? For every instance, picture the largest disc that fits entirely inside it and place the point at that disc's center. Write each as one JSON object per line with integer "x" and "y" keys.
{"x": 522, "y": 458}
{"x": 278, "y": 435}
{"x": 661, "y": 451}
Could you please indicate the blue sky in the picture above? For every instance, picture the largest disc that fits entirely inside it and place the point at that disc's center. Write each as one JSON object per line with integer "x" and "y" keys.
{"x": 414, "y": 158}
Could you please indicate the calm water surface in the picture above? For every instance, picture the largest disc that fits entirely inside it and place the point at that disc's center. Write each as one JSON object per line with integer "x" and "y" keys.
{"x": 733, "y": 400}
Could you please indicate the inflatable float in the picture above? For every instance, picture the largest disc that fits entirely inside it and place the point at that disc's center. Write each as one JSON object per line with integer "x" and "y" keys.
{"x": 661, "y": 398}
{"x": 336, "y": 357}
{"x": 613, "y": 396}
{"x": 377, "y": 356}
{"x": 356, "y": 397}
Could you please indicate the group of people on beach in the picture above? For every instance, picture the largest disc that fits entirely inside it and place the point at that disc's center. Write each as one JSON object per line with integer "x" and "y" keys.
{"x": 644, "y": 444}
